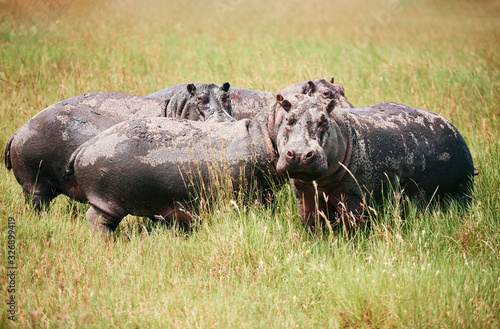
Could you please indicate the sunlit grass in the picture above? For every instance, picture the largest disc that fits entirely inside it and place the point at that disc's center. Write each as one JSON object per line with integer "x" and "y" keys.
{"x": 247, "y": 264}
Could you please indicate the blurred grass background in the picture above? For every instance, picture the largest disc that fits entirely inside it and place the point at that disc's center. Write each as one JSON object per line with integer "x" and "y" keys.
{"x": 248, "y": 265}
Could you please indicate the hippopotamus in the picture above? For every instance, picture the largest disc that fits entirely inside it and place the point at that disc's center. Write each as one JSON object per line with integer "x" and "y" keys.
{"x": 247, "y": 103}
{"x": 317, "y": 87}
{"x": 197, "y": 101}
{"x": 157, "y": 167}
{"x": 39, "y": 151}
{"x": 342, "y": 161}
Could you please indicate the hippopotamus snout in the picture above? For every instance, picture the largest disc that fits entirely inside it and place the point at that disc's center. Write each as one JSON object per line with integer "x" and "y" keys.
{"x": 302, "y": 159}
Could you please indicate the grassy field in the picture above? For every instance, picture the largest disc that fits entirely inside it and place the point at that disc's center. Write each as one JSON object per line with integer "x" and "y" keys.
{"x": 247, "y": 265}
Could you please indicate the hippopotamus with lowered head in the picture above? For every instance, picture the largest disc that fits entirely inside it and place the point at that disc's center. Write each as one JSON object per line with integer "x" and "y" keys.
{"x": 157, "y": 167}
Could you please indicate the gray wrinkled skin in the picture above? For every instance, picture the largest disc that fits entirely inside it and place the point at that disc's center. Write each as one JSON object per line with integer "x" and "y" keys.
{"x": 167, "y": 93}
{"x": 247, "y": 103}
{"x": 318, "y": 87}
{"x": 39, "y": 151}
{"x": 354, "y": 156}
{"x": 155, "y": 167}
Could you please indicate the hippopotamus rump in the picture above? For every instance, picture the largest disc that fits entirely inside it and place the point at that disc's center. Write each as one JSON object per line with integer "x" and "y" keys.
{"x": 340, "y": 161}
{"x": 39, "y": 150}
{"x": 317, "y": 87}
{"x": 157, "y": 167}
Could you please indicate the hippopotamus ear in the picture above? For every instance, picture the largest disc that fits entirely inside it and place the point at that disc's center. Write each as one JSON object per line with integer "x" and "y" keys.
{"x": 332, "y": 80}
{"x": 286, "y": 105}
{"x": 310, "y": 88}
{"x": 191, "y": 88}
{"x": 225, "y": 86}
{"x": 331, "y": 106}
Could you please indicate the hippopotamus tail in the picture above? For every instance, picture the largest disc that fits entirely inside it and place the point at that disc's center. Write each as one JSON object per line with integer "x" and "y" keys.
{"x": 8, "y": 164}
{"x": 70, "y": 167}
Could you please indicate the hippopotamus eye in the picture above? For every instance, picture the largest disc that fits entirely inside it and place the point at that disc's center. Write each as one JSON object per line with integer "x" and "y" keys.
{"x": 327, "y": 94}
{"x": 290, "y": 121}
{"x": 323, "y": 123}
{"x": 202, "y": 100}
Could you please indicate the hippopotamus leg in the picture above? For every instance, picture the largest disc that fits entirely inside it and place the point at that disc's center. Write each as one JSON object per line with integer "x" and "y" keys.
{"x": 307, "y": 204}
{"x": 174, "y": 215}
{"x": 350, "y": 208}
{"x": 316, "y": 207}
{"x": 40, "y": 195}
{"x": 102, "y": 223}
{"x": 463, "y": 195}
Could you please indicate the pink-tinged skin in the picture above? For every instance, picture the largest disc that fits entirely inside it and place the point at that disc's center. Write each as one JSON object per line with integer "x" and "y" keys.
{"x": 341, "y": 160}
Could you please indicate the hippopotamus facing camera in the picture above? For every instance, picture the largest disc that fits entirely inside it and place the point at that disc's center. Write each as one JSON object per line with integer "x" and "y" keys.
{"x": 247, "y": 103}
{"x": 201, "y": 102}
{"x": 318, "y": 87}
{"x": 342, "y": 160}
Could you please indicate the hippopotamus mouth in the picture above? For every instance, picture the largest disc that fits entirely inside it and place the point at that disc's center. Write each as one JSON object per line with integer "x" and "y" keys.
{"x": 308, "y": 167}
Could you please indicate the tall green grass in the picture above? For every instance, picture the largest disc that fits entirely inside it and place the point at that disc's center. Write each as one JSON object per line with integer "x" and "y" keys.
{"x": 247, "y": 264}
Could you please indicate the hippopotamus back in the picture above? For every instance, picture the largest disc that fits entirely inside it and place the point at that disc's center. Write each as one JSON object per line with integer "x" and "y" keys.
{"x": 419, "y": 148}
{"x": 247, "y": 103}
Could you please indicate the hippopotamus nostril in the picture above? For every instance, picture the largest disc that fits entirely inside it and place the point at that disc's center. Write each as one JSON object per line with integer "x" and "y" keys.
{"x": 290, "y": 154}
{"x": 309, "y": 155}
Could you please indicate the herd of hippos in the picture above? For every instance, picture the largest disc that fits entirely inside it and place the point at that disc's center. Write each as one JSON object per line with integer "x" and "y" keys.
{"x": 151, "y": 156}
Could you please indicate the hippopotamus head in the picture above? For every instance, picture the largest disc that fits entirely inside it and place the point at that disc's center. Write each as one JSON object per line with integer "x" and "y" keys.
{"x": 310, "y": 142}
{"x": 319, "y": 87}
{"x": 207, "y": 102}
